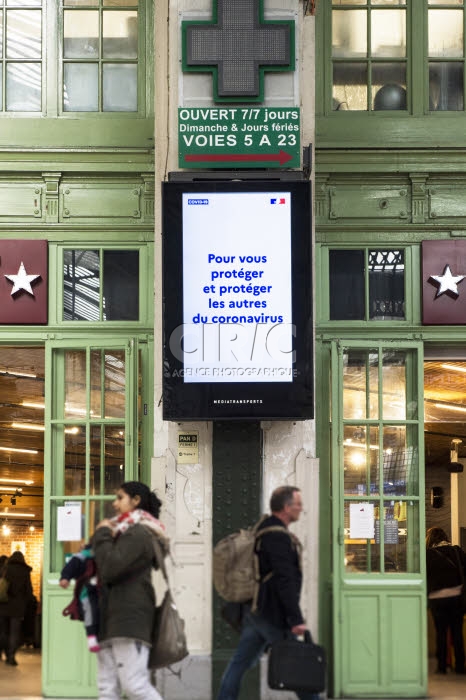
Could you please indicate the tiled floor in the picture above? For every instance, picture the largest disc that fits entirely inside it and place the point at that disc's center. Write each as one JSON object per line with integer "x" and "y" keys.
{"x": 23, "y": 682}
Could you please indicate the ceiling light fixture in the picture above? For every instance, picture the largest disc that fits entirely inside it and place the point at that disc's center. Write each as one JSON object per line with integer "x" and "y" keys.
{"x": 17, "y": 515}
{"x": 18, "y": 449}
{"x": 450, "y": 407}
{"x": 15, "y": 373}
{"x": 31, "y": 404}
{"x": 28, "y": 482}
{"x": 28, "y": 426}
{"x": 455, "y": 368}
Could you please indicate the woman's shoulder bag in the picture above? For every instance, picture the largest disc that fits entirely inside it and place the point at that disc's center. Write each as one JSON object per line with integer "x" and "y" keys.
{"x": 168, "y": 630}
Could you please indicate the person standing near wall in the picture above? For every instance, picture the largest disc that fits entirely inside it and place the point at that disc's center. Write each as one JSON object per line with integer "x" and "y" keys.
{"x": 446, "y": 571}
{"x": 124, "y": 554}
{"x": 278, "y": 611}
{"x": 18, "y": 575}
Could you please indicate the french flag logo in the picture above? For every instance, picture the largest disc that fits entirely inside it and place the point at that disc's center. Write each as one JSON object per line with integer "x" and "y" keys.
{"x": 276, "y": 200}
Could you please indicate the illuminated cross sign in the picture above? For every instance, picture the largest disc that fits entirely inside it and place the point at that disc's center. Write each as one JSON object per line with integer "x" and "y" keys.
{"x": 238, "y": 46}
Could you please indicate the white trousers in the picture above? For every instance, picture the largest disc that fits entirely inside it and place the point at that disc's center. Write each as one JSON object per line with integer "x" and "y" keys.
{"x": 122, "y": 668}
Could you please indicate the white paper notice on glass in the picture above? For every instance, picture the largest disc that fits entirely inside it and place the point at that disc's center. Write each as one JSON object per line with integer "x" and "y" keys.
{"x": 362, "y": 521}
{"x": 69, "y": 523}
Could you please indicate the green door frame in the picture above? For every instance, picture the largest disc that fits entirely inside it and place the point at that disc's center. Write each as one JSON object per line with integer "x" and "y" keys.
{"x": 59, "y": 677}
{"x": 379, "y": 619}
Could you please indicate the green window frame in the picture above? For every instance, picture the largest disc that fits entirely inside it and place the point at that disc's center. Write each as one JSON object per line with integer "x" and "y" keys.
{"x": 81, "y": 295}
{"x": 100, "y": 55}
{"x": 22, "y": 52}
{"x": 60, "y": 59}
{"x": 422, "y": 98}
{"x": 352, "y": 278}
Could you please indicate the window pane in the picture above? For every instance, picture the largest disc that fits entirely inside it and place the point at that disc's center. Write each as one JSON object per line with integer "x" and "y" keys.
{"x": 400, "y": 461}
{"x": 81, "y": 34}
{"x": 349, "y": 2}
{"x": 75, "y": 384}
{"x": 120, "y": 3}
{"x": 349, "y": 33}
{"x": 361, "y": 554}
{"x": 121, "y": 285}
{"x": 401, "y": 541}
{"x": 19, "y": 3}
{"x": 389, "y": 86}
{"x": 350, "y": 86}
{"x": 446, "y": 86}
{"x": 120, "y": 87}
{"x": 394, "y": 385}
{"x": 107, "y": 459}
{"x": 388, "y": 33}
{"x": 98, "y": 510}
{"x": 120, "y": 34}
{"x": 23, "y": 34}
{"x": 96, "y": 383}
{"x": 445, "y": 33}
{"x": 346, "y": 285}
{"x": 75, "y": 462}
{"x": 444, "y": 2}
{"x": 388, "y": 2}
{"x": 23, "y": 87}
{"x": 80, "y": 3}
{"x": 81, "y": 281}
{"x": 81, "y": 87}
{"x": 360, "y": 453}
{"x": 360, "y": 384}
{"x": 386, "y": 285}
{"x": 114, "y": 384}
{"x": 1, "y": 34}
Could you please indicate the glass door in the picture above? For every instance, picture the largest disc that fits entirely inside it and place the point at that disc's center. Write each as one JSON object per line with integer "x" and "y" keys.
{"x": 379, "y": 601}
{"x": 94, "y": 415}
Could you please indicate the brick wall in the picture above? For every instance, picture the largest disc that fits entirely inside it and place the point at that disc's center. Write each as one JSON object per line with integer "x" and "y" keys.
{"x": 20, "y": 532}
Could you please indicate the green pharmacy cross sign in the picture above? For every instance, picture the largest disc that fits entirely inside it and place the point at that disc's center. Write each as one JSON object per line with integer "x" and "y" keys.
{"x": 238, "y": 47}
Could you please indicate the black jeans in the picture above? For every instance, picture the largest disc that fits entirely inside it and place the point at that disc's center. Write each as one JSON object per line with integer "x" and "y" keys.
{"x": 448, "y": 615}
{"x": 10, "y": 635}
{"x": 4, "y": 631}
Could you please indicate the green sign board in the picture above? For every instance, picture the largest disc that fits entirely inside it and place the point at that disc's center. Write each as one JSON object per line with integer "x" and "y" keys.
{"x": 238, "y": 137}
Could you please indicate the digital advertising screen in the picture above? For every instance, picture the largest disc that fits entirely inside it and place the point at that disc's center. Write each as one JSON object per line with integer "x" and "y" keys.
{"x": 237, "y": 285}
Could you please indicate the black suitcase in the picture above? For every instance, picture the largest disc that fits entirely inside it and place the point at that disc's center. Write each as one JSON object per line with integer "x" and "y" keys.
{"x": 296, "y": 665}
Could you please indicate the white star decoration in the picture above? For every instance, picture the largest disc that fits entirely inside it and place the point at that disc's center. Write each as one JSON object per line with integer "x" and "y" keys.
{"x": 447, "y": 282}
{"x": 22, "y": 280}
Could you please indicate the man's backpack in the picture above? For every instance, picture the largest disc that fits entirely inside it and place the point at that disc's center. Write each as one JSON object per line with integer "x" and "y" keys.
{"x": 235, "y": 563}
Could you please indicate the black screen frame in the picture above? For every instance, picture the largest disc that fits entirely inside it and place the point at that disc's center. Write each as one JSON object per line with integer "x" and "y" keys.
{"x": 239, "y": 400}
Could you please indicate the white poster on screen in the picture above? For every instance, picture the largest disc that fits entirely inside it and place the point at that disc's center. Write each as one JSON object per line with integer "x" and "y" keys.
{"x": 237, "y": 287}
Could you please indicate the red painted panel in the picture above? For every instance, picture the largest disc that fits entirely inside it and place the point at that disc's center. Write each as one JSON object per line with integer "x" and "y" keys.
{"x": 22, "y": 307}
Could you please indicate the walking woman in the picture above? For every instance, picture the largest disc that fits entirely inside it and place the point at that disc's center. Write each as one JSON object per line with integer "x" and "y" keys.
{"x": 18, "y": 575}
{"x": 124, "y": 556}
{"x": 446, "y": 570}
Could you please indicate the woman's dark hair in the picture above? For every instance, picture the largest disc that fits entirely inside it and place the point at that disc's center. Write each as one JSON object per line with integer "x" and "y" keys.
{"x": 17, "y": 556}
{"x": 434, "y": 536}
{"x": 149, "y": 500}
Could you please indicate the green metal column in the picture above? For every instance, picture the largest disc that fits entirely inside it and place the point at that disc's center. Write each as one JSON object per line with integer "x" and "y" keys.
{"x": 236, "y": 498}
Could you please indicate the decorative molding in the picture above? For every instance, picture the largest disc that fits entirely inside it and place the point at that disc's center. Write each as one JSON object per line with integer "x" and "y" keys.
{"x": 418, "y": 197}
{"x": 52, "y": 184}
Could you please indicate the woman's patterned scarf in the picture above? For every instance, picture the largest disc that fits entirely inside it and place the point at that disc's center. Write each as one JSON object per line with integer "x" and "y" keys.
{"x": 121, "y": 523}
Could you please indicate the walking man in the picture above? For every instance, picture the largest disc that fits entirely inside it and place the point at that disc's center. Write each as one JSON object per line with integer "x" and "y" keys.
{"x": 278, "y": 611}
